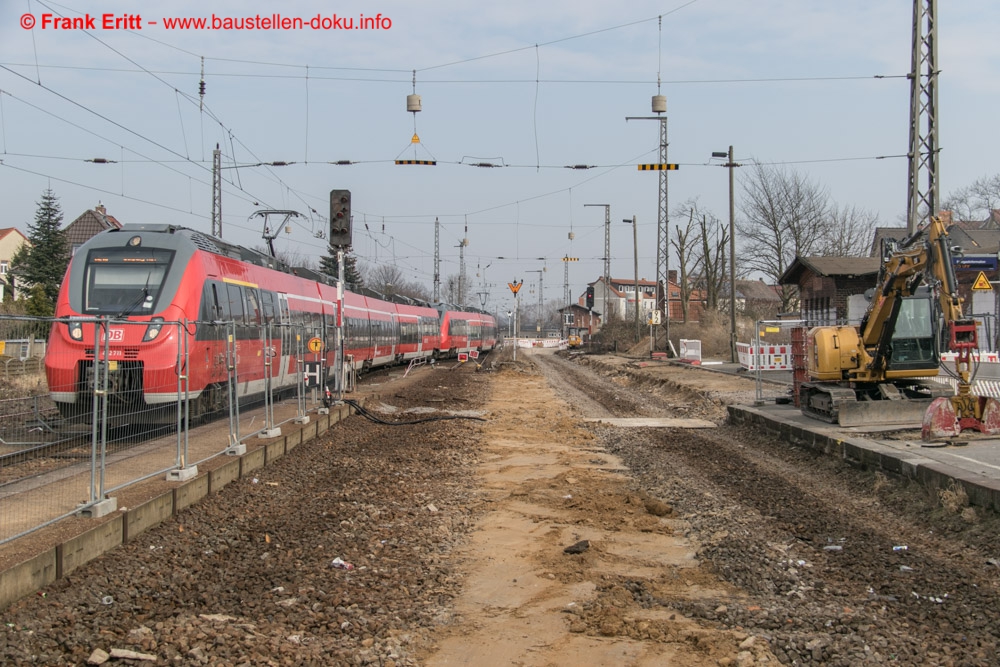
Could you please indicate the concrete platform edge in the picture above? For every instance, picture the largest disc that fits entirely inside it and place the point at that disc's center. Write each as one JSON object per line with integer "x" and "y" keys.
{"x": 932, "y": 475}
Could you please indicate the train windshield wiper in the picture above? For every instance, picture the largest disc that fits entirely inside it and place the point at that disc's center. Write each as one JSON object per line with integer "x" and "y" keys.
{"x": 143, "y": 295}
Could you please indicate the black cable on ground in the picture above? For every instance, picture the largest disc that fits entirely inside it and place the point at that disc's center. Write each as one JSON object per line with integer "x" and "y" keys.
{"x": 369, "y": 416}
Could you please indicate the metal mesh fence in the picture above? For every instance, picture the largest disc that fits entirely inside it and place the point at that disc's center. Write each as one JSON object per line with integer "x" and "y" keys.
{"x": 90, "y": 406}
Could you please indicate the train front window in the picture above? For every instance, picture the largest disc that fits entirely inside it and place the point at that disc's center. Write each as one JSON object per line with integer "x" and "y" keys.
{"x": 124, "y": 281}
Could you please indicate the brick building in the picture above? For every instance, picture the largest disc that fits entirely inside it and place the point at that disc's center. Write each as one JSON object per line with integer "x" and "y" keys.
{"x": 831, "y": 289}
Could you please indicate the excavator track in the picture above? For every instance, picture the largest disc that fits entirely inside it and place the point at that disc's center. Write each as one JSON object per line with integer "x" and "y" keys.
{"x": 888, "y": 405}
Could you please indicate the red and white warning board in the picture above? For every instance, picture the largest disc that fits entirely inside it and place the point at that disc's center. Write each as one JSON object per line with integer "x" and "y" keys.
{"x": 768, "y": 357}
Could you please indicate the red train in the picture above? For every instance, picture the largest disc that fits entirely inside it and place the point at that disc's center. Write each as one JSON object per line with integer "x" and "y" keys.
{"x": 165, "y": 302}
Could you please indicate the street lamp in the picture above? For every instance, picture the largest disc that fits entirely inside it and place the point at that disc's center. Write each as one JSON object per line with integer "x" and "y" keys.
{"x": 732, "y": 252}
{"x": 635, "y": 255}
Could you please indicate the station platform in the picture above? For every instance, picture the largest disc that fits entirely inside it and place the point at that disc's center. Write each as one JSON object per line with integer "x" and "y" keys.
{"x": 971, "y": 460}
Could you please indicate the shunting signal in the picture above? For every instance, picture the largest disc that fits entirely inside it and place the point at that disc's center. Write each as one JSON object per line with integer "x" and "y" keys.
{"x": 658, "y": 167}
{"x": 429, "y": 163}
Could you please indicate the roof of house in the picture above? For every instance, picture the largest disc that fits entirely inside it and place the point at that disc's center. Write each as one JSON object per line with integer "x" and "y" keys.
{"x": 578, "y": 307}
{"x": 89, "y": 224}
{"x": 756, "y": 290}
{"x": 830, "y": 266}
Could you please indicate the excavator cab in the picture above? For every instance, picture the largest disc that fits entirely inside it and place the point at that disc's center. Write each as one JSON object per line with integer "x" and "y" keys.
{"x": 914, "y": 343}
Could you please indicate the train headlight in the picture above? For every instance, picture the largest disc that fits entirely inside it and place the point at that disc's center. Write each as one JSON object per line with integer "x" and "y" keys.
{"x": 153, "y": 330}
{"x": 75, "y": 330}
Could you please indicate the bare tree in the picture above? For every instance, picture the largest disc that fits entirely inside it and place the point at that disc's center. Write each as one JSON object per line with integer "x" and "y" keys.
{"x": 849, "y": 232}
{"x": 389, "y": 279}
{"x": 384, "y": 278}
{"x": 784, "y": 215}
{"x": 714, "y": 237}
{"x": 976, "y": 201}
{"x": 688, "y": 259}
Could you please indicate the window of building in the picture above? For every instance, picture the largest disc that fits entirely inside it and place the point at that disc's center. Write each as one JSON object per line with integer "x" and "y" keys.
{"x": 4, "y": 265}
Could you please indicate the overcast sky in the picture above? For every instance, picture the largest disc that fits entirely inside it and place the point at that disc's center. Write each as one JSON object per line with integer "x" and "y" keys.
{"x": 534, "y": 86}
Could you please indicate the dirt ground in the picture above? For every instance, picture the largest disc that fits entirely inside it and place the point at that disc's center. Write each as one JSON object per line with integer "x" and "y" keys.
{"x": 549, "y": 485}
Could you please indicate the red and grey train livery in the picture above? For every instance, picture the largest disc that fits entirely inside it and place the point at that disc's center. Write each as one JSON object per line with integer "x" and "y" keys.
{"x": 237, "y": 321}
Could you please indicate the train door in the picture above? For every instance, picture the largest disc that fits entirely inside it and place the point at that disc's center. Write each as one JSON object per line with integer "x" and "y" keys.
{"x": 287, "y": 353}
{"x": 331, "y": 345}
{"x": 242, "y": 361}
{"x": 255, "y": 338}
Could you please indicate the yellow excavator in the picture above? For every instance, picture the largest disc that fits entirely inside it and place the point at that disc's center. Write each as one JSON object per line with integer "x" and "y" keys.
{"x": 879, "y": 372}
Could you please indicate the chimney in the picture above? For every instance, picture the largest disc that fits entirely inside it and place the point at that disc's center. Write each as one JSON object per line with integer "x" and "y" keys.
{"x": 100, "y": 208}
{"x": 672, "y": 276}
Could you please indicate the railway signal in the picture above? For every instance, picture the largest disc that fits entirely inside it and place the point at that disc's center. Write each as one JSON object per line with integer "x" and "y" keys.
{"x": 340, "y": 218}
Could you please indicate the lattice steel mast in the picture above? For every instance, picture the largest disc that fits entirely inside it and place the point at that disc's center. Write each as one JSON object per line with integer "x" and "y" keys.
{"x": 923, "y": 201}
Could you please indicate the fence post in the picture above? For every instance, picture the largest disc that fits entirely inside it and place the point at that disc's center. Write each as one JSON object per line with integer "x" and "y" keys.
{"x": 98, "y": 505}
{"x": 300, "y": 384}
{"x": 236, "y": 448}
{"x": 267, "y": 352}
{"x": 183, "y": 471}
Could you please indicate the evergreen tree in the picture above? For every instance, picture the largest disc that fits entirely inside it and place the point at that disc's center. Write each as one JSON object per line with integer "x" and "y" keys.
{"x": 328, "y": 265}
{"x": 43, "y": 262}
{"x": 38, "y": 304}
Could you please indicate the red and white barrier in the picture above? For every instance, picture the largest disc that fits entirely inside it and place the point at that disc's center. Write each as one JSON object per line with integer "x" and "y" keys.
{"x": 541, "y": 342}
{"x": 764, "y": 357}
{"x": 989, "y": 357}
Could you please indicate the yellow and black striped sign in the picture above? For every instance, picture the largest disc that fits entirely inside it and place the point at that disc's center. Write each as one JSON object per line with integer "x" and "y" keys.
{"x": 571, "y": 259}
{"x": 658, "y": 167}
{"x": 429, "y": 163}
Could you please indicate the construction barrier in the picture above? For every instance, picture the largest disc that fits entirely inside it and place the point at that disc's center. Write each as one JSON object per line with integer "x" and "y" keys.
{"x": 541, "y": 342}
{"x": 977, "y": 356}
{"x": 690, "y": 351}
{"x": 765, "y": 357}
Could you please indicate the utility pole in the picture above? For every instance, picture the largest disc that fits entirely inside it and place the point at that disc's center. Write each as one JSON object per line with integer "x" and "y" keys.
{"x": 732, "y": 252}
{"x": 924, "y": 146}
{"x": 732, "y": 261}
{"x": 437, "y": 261}
{"x": 635, "y": 246}
{"x": 538, "y": 320}
{"x": 607, "y": 256}
{"x": 566, "y": 295}
{"x": 217, "y": 192}
{"x": 659, "y": 105}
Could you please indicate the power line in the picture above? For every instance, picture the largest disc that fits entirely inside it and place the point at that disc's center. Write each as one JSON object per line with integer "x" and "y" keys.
{"x": 587, "y": 82}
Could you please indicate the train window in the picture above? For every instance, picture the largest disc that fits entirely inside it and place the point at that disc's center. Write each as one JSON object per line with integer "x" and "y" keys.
{"x": 208, "y": 307}
{"x": 124, "y": 280}
{"x": 267, "y": 306}
{"x": 283, "y": 309}
{"x": 236, "y": 312}
{"x": 253, "y": 306}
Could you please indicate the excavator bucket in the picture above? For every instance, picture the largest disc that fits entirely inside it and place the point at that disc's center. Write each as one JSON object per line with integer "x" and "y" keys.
{"x": 943, "y": 418}
{"x": 991, "y": 416}
{"x": 940, "y": 420}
